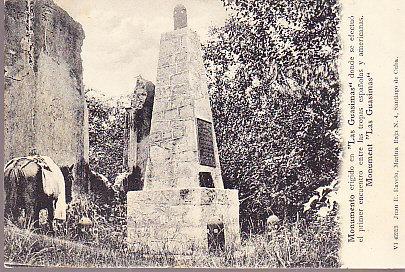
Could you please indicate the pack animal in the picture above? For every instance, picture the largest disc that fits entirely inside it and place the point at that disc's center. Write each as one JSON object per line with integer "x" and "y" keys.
{"x": 35, "y": 183}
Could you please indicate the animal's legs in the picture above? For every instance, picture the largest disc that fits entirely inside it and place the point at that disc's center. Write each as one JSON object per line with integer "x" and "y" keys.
{"x": 10, "y": 209}
{"x": 50, "y": 217}
{"x": 13, "y": 194}
{"x": 32, "y": 212}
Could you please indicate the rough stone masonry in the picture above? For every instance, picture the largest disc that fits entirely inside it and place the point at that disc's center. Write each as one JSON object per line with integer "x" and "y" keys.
{"x": 183, "y": 206}
{"x": 137, "y": 130}
{"x": 44, "y": 104}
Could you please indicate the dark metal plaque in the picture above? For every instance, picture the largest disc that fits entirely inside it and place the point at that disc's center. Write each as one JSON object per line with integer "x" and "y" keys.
{"x": 205, "y": 143}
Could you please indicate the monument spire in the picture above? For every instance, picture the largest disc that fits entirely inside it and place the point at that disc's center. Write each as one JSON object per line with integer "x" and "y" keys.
{"x": 180, "y": 17}
{"x": 183, "y": 204}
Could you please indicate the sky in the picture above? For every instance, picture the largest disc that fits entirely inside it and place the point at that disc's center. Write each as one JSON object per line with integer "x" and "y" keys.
{"x": 122, "y": 37}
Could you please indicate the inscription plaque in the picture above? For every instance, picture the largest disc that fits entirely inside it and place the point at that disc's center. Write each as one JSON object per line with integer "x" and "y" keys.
{"x": 205, "y": 143}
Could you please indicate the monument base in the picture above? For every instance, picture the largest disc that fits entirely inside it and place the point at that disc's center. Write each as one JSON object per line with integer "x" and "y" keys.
{"x": 183, "y": 221}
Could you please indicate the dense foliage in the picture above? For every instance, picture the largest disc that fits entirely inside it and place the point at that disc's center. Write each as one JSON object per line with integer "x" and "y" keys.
{"x": 106, "y": 135}
{"x": 274, "y": 90}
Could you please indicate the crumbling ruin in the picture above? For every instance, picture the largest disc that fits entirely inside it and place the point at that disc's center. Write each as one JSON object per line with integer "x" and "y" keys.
{"x": 137, "y": 130}
{"x": 44, "y": 104}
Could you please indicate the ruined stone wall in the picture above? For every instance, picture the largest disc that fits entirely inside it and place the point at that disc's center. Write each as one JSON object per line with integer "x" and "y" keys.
{"x": 143, "y": 119}
{"x": 138, "y": 124}
{"x": 19, "y": 80}
{"x": 130, "y": 141}
{"x": 44, "y": 102}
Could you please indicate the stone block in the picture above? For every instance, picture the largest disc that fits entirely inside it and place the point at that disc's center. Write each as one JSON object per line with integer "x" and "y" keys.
{"x": 178, "y": 79}
{"x": 165, "y": 92}
{"x": 187, "y": 156}
{"x": 188, "y": 196}
{"x": 178, "y": 132}
{"x": 182, "y": 68}
{"x": 222, "y": 197}
{"x": 156, "y": 136}
{"x": 166, "y": 61}
{"x": 180, "y": 90}
{"x": 167, "y": 233}
{"x": 169, "y": 197}
{"x": 189, "y": 215}
{"x": 209, "y": 196}
{"x": 172, "y": 114}
{"x": 233, "y": 198}
{"x": 187, "y": 181}
{"x": 183, "y": 169}
{"x": 134, "y": 234}
{"x": 175, "y": 102}
{"x": 162, "y": 217}
{"x": 163, "y": 81}
{"x": 167, "y": 37}
{"x": 186, "y": 111}
{"x": 171, "y": 214}
{"x": 139, "y": 219}
{"x": 232, "y": 216}
{"x": 159, "y": 153}
{"x": 138, "y": 198}
{"x": 167, "y": 71}
{"x": 171, "y": 182}
{"x": 166, "y": 135}
{"x": 180, "y": 57}
{"x": 175, "y": 246}
{"x": 213, "y": 210}
{"x": 159, "y": 105}
{"x": 159, "y": 116}
{"x": 182, "y": 144}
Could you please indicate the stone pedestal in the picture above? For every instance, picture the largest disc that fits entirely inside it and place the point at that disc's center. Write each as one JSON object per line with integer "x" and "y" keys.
{"x": 180, "y": 221}
{"x": 183, "y": 206}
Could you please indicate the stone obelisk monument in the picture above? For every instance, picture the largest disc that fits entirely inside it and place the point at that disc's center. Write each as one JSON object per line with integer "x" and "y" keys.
{"x": 183, "y": 206}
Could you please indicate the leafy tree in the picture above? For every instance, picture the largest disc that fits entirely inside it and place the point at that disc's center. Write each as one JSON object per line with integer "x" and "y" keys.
{"x": 274, "y": 90}
{"x": 106, "y": 136}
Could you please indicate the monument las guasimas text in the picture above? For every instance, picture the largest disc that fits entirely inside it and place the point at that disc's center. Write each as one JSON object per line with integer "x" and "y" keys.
{"x": 183, "y": 206}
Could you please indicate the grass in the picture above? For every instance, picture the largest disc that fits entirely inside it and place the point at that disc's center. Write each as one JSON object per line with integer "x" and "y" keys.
{"x": 25, "y": 247}
{"x": 299, "y": 244}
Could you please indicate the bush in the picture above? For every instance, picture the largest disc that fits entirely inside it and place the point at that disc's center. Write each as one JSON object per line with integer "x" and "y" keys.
{"x": 274, "y": 88}
{"x": 106, "y": 135}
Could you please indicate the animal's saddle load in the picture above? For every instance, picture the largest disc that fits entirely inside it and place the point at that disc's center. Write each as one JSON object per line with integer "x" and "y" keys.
{"x": 52, "y": 180}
